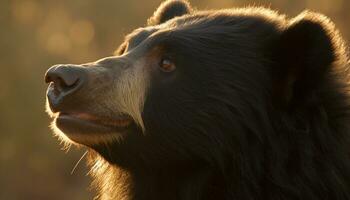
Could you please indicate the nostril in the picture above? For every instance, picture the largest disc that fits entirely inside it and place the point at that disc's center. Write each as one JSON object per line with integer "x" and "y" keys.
{"x": 64, "y": 78}
{"x": 62, "y": 85}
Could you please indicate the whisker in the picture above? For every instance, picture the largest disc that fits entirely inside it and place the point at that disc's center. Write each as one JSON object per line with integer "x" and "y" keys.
{"x": 76, "y": 165}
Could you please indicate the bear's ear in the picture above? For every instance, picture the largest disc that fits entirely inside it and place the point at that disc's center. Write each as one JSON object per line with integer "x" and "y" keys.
{"x": 168, "y": 10}
{"x": 305, "y": 52}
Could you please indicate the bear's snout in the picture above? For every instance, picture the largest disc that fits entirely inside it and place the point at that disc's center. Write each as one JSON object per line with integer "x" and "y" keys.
{"x": 65, "y": 80}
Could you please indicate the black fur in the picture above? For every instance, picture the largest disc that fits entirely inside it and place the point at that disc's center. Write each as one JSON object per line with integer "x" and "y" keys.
{"x": 258, "y": 108}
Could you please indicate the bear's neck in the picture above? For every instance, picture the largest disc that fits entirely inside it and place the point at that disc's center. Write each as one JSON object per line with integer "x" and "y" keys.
{"x": 177, "y": 183}
{"x": 180, "y": 182}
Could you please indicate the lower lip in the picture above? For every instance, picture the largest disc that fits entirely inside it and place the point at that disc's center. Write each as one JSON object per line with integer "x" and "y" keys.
{"x": 85, "y": 125}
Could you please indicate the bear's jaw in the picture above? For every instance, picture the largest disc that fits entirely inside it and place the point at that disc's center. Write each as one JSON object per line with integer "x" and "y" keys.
{"x": 88, "y": 129}
{"x": 120, "y": 122}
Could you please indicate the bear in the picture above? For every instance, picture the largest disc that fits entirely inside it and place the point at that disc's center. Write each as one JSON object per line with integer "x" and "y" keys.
{"x": 240, "y": 103}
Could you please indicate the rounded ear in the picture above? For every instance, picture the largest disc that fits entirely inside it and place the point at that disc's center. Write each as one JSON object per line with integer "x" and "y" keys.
{"x": 306, "y": 52}
{"x": 168, "y": 10}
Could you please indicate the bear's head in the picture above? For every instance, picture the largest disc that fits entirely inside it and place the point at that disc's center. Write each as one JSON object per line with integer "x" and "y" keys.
{"x": 219, "y": 89}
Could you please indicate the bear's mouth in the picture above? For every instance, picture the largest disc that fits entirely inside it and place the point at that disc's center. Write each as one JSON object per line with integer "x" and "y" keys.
{"x": 80, "y": 126}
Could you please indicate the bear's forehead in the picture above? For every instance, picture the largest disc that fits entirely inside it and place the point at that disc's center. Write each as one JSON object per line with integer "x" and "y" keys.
{"x": 138, "y": 35}
{"x": 211, "y": 18}
{"x": 202, "y": 21}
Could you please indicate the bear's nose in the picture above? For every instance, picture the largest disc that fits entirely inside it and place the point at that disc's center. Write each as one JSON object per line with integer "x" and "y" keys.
{"x": 64, "y": 81}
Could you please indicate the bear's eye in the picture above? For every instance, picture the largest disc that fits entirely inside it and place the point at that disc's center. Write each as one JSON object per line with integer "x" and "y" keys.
{"x": 166, "y": 65}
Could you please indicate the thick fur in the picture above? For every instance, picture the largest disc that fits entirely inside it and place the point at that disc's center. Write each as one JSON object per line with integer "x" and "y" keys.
{"x": 257, "y": 108}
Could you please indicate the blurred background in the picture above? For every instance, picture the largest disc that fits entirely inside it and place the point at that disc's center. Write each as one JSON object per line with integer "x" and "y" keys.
{"x": 36, "y": 34}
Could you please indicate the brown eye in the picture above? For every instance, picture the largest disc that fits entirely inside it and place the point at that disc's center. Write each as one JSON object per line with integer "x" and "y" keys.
{"x": 167, "y": 65}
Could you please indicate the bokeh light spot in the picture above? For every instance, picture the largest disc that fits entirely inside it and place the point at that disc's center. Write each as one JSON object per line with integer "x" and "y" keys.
{"x": 26, "y": 12}
{"x": 58, "y": 43}
{"x": 82, "y": 32}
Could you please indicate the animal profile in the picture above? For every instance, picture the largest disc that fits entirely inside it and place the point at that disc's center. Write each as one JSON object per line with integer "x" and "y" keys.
{"x": 241, "y": 103}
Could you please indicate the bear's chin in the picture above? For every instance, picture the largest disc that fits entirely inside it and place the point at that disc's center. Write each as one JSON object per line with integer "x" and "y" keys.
{"x": 88, "y": 130}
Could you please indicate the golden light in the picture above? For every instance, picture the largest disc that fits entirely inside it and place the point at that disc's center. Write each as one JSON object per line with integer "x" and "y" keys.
{"x": 26, "y": 12}
{"x": 325, "y": 5}
{"x": 58, "y": 43}
{"x": 81, "y": 32}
